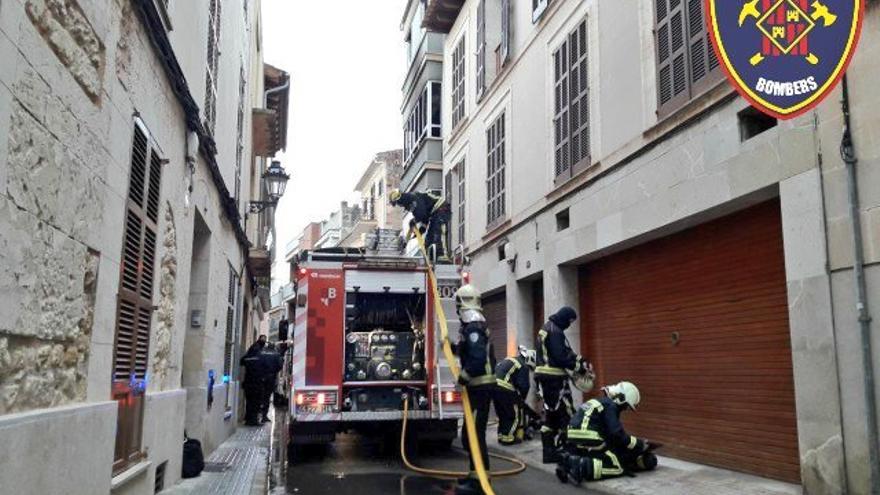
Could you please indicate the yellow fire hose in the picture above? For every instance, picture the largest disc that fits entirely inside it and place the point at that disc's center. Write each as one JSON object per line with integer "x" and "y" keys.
{"x": 470, "y": 426}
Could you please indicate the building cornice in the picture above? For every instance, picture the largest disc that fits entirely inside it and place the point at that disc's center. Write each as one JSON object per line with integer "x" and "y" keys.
{"x": 152, "y": 21}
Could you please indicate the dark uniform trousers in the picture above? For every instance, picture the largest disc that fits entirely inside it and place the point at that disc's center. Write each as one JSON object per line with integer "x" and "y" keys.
{"x": 438, "y": 231}
{"x": 481, "y": 399}
{"x": 594, "y": 455}
{"x": 558, "y": 405}
{"x": 253, "y": 399}
{"x": 511, "y": 423}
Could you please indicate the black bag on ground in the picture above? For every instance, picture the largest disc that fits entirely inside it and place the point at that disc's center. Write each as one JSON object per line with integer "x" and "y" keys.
{"x": 193, "y": 458}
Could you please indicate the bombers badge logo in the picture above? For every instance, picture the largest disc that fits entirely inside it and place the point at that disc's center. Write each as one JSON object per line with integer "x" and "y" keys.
{"x": 784, "y": 56}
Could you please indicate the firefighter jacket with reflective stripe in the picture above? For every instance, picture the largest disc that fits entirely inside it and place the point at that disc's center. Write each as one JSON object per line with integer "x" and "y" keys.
{"x": 553, "y": 354}
{"x": 513, "y": 374}
{"x": 596, "y": 425}
{"x": 421, "y": 205}
{"x": 476, "y": 355}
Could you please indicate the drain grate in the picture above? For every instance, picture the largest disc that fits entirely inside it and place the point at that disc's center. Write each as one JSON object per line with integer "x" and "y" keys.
{"x": 216, "y": 467}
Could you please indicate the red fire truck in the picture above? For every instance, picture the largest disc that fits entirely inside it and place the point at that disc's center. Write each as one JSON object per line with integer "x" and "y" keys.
{"x": 365, "y": 338}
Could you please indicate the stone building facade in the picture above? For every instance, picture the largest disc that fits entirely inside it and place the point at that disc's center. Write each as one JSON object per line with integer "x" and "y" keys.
{"x": 381, "y": 175}
{"x": 589, "y": 167}
{"x": 132, "y": 137}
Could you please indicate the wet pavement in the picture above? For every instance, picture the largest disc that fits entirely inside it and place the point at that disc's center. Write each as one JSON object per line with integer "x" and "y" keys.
{"x": 355, "y": 464}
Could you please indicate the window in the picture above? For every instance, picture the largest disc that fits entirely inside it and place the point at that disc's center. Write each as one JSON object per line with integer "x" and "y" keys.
{"x": 460, "y": 172}
{"x": 211, "y": 70}
{"x": 134, "y": 310}
{"x": 571, "y": 119}
{"x": 239, "y": 148}
{"x": 686, "y": 62}
{"x": 505, "y": 31}
{"x": 495, "y": 165}
{"x": 753, "y": 122}
{"x": 562, "y": 220}
{"x": 481, "y": 48}
{"x": 458, "y": 85}
{"x": 228, "y": 358}
{"x": 538, "y": 8}
{"x": 418, "y": 126}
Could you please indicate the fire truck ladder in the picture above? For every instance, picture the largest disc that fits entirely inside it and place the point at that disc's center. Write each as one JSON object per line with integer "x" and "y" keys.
{"x": 470, "y": 427}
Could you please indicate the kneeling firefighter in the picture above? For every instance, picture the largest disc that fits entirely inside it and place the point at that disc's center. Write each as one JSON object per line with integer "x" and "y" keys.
{"x": 512, "y": 380}
{"x": 429, "y": 212}
{"x": 597, "y": 446}
{"x": 555, "y": 361}
{"x": 477, "y": 358}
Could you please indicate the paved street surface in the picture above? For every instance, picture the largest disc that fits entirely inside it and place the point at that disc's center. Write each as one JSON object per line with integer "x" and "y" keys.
{"x": 358, "y": 465}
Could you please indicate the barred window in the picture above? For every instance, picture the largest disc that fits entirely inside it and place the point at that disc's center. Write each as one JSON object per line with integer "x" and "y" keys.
{"x": 481, "y": 48}
{"x": 495, "y": 171}
{"x": 213, "y": 60}
{"x": 571, "y": 119}
{"x": 460, "y": 210}
{"x": 686, "y": 62}
{"x": 458, "y": 86}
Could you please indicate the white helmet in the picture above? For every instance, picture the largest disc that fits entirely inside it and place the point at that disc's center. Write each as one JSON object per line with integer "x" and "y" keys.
{"x": 623, "y": 393}
{"x": 528, "y": 356}
{"x": 467, "y": 297}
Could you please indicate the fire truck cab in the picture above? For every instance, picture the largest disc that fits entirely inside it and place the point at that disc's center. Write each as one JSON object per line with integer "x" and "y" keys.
{"x": 365, "y": 339}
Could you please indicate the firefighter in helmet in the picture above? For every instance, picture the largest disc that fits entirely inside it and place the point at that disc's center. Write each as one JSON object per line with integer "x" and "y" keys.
{"x": 429, "y": 212}
{"x": 477, "y": 374}
{"x": 512, "y": 380}
{"x": 597, "y": 446}
{"x": 555, "y": 362}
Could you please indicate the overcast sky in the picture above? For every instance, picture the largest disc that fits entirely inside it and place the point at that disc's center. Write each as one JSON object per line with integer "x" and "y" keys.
{"x": 346, "y": 61}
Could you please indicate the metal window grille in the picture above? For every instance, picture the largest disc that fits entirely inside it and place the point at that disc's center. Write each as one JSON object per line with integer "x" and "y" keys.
{"x": 686, "y": 63}
{"x": 458, "y": 85}
{"x": 239, "y": 144}
{"x": 481, "y": 48}
{"x": 135, "y": 298}
{"x": 571, "y": 104}
{"x": 460, "y": 171}
{"x": 495, "y": 171}
{"x": 213, "y": 60}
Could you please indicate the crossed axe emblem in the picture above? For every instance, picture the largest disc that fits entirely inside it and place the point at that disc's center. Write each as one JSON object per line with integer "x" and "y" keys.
{"x": 819, "y": 14}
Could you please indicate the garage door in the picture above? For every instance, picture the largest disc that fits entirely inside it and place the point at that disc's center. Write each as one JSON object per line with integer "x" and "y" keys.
{"x": 495, "y": 310}
{"x": 698, "y": 320}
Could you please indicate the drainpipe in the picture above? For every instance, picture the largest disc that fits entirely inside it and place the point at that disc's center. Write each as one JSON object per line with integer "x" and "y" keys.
{"x": 848, "y": 153}
{"x": 273, "y": 91}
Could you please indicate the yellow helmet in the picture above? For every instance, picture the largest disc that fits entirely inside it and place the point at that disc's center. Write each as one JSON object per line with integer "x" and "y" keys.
{"x": 623, "y": 393}
{"x": 394, "y": 196}
{"x": 468, "y": 297}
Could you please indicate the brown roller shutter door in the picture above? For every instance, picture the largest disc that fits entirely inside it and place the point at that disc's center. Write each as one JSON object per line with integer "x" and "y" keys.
{"x": 495, "y": 311}
{"x": 699, "y": 321}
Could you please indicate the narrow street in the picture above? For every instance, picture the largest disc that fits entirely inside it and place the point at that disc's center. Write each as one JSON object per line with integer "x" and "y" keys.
{"x": 360, "y": 465}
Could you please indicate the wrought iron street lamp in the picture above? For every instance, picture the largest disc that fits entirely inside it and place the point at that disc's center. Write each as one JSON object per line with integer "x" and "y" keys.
{"x": 275, "y": 179}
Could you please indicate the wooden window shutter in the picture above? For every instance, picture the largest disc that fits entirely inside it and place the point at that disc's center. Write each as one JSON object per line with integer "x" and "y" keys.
{"x": 460, "y": 170}
{"x": 230, "y": 322}
{"x": 560, "y": 112}
{"x": 672, "y": 77}
{"x": 579, "y": 101}
{"x": 495, "y": 171}
{"x": 505, "y": 31}
{"x": 135, "y": 299}
{"x": 703, "y": 61}
{"x": 481, "y": 48}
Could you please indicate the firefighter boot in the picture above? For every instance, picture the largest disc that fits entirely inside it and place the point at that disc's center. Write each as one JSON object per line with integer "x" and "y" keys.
{"x": 550, "y": 454}
{"x": 561, "y": 472}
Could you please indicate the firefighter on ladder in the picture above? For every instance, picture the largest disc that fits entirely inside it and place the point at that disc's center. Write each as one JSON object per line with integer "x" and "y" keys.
{"x": 477, "y": 358}
{"x": 597, "y": 446}
{"x": 429, "y": 212}
{"x": 512, "y": 380}
{"x": 555, "y": 362}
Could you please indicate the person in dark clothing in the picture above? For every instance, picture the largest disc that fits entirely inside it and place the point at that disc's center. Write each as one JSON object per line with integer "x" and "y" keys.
{"x": 271, "y": 364}
{"x": 555, "y": 360}
{"x": 429, "y": 212}
{"x": 512, "y": 380}
{"x": 253, "y": 382}
{"x": 597, "y": 445}
{"x": 477, "y": 359}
